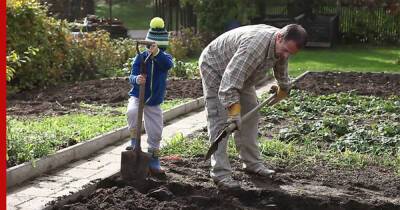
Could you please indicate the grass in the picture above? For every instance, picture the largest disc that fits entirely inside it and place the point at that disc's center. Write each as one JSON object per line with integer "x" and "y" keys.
{"x": 343, "y": 58}
{"x": 346, "y": 58}
{"x": 31, "y": 138}
{"x": 135, "y": 15}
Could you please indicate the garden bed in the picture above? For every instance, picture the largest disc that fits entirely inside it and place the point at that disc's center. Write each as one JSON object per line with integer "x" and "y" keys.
{"x": 42, "y": 122}
{"x": 189, "y": 187}
{"x": 317, "y": 164}
{"x": 66, "y": 99}
{"x": 377, "y": 84}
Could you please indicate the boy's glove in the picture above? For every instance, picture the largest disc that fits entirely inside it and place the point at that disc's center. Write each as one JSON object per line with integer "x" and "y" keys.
{"x": 234, "y": 115}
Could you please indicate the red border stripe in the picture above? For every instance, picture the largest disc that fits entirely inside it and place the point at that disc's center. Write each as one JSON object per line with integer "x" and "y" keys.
{"x": 3, "y": 103}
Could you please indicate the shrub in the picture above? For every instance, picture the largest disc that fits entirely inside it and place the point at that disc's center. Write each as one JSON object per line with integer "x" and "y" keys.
{"x": 185, "y": 70}
{"x": 216, "y": 15}
{"x": 185, "y": 44}
{"x": 36, "y": 45}
{"x": 42, "y": 51}
{"x": 95, "y": 54}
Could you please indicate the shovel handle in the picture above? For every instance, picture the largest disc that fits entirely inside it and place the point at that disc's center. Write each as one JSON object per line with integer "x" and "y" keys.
{"x": 141, "y": 94}
{"x": 232, "y": 126}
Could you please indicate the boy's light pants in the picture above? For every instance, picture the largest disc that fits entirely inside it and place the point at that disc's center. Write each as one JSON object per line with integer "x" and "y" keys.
{"x": 245, "y": 140}
{"x": 153, "y": 121}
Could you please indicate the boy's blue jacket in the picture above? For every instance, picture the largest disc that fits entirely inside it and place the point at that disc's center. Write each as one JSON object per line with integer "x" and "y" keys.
{"x": 156, "y": 79}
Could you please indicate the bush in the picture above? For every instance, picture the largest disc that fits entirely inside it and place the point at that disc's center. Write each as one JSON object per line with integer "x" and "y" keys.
{"x": 95, "y": 54}
{"x": 36, "y": 45}
{"x": 42, "y": 51}
{"x": 185, "y": 44}
{"x": 185, "y": 70}
{"x": 216, "y": 15}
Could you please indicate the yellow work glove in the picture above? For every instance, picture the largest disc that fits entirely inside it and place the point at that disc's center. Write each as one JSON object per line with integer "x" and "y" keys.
{"x": 280, "y": 94}
{"x": 234, "y": 115}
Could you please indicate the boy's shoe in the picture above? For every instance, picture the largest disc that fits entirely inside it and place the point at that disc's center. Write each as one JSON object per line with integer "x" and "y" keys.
{"x": 154, "y": 164}
{"x": 133, "y": 145}
{"x": 227, "y": 183}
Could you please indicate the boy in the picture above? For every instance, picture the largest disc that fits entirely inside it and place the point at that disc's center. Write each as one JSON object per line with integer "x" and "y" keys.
{"x": 155, "y": 84}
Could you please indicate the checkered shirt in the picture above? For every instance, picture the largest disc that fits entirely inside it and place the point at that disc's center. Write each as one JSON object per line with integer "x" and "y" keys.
{"x": 240, "y": 58}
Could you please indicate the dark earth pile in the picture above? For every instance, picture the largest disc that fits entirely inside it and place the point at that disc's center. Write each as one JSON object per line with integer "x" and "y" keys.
{"x": 188, "y": 186}
{"x": 67, "y": 98}
{"x": 378, "y": 84}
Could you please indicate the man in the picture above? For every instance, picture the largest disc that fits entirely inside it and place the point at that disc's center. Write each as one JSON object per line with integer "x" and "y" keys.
{"x": 230, "y": 66}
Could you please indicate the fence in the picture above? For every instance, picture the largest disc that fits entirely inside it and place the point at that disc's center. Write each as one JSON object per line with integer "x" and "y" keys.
{"x": 359, "y": 23}
{"x": 175, "y": 14}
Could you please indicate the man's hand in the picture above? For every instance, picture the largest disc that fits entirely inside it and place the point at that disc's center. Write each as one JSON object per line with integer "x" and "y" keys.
{"x": 153, "y": 49}
{"x": 234, "y": 115}
{"x": 140, "y": 80}
{"x": 280, "y": 94}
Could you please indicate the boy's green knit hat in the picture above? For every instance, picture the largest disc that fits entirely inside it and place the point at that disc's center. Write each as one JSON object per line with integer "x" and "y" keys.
{"x": 157, "y": 32}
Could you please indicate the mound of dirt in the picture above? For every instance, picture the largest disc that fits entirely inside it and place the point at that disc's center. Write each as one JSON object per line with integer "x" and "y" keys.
{"x": 65, "y": 99}
{"x": 188, "y": 186}
{"x": 377, "y": 84}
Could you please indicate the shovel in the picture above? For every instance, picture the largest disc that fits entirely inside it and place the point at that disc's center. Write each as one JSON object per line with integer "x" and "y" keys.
{"x": 232, "y": 126}
{"x": 135, "y": 162}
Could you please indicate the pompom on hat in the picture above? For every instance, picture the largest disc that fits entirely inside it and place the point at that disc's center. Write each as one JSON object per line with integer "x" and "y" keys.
{"x": 157, "y": 33}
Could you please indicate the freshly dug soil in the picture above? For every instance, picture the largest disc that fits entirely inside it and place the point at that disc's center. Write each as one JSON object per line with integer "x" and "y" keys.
{"x": 66, "y": 99}
{"x": 377, "y": 84}
{"x": 305, "y": 187}
{"x": 188, "y": 186}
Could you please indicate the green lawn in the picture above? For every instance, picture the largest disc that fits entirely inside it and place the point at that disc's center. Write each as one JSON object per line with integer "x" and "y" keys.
{"x": 135, "y": 15}
{"x": 343, "y": 58}
{"x": 346, "y": 58}
{"x": 31, "y": 138}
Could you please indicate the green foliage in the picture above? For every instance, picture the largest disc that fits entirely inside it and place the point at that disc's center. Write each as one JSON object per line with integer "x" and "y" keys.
{"x": 215, "y": 15}
{"x": 31, "y": 138}
{"x": 41, "y": 51}
{"x": 183, "y": 69}
{"x": 185, "y": 44}
{"x": 95, "y": 54}
{"x": 341, "y": 122}
{"x": 36, "y": 45}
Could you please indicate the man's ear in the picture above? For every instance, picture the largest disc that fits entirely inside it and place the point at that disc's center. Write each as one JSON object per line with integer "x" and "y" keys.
{"x": 279, "y": 37}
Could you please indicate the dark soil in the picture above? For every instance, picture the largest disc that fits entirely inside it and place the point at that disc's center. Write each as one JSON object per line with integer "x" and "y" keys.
{"x": 305, "y": 187}
{"x": 66, "y": 99}
{"x": 188, "y": 186}
{"x": 378, "y": 84}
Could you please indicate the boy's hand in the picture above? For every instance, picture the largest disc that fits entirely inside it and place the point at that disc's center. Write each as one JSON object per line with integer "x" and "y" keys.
{"x": 140, "y": 80}
{"x": 153, "y": 49}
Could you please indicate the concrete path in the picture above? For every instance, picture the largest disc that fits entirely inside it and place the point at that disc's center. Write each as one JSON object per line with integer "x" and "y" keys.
{"x": 70, "y": 179}
{"x": 137, "y": 34}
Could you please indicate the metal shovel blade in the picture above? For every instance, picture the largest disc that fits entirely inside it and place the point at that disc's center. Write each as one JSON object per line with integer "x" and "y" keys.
{"x": 134, "y": 165}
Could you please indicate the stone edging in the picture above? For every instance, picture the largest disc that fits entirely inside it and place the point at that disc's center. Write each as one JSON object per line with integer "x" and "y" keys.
{"x": 29, "y": 170}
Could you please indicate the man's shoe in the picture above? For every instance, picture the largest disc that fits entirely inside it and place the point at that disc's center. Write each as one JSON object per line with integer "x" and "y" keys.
{"x": 227, "y": 183}
{"x": 263, "y": 171}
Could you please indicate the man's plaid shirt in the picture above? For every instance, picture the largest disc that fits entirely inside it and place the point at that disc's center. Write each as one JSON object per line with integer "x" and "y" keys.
{"x": 239, "y": 58}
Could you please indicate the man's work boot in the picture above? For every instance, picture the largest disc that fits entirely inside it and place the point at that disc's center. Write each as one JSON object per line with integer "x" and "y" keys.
{"x": 154, "y": 164}
{"x": 227, "y": 183}
{"x": 263, "y": 171}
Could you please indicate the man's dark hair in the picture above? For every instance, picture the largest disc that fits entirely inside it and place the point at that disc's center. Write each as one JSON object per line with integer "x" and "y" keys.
{"x": 295, "y": 33}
